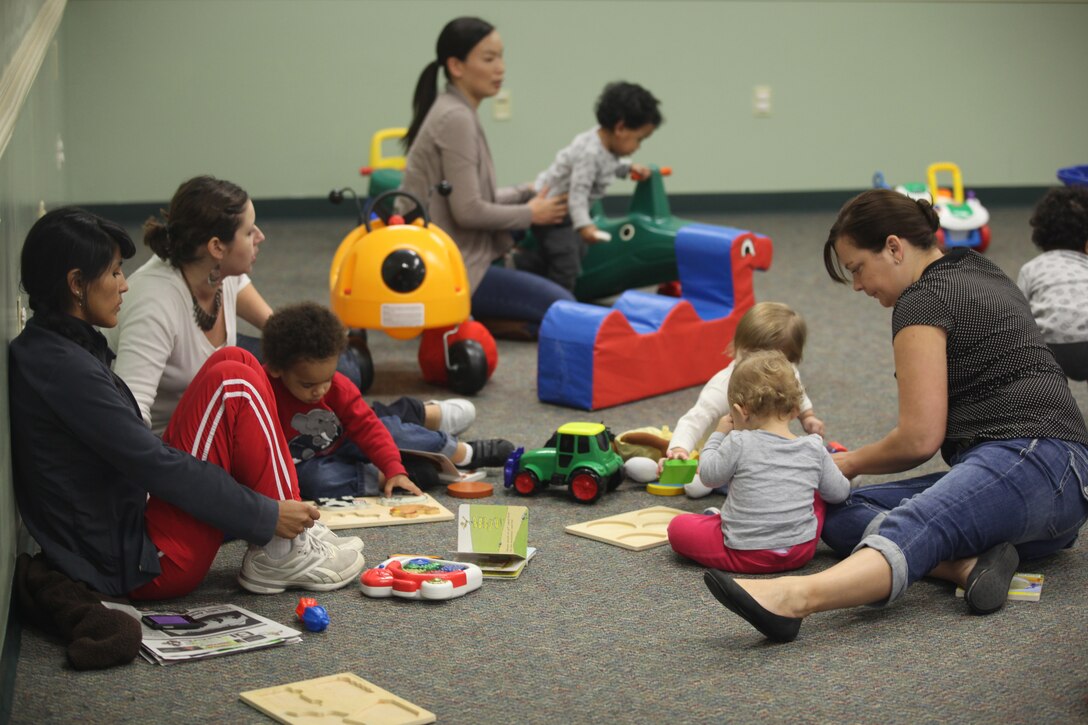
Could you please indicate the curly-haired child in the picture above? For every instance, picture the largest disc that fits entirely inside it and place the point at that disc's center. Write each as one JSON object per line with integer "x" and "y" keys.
{"x": 1056, "y": 281}
{"x": 339, "y": 445}
{"x": 778, "y": 483}
{"x": 627, "y": 114}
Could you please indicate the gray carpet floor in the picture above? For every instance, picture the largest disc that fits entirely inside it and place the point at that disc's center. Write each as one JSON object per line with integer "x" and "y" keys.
{"x": 594, "y": 633}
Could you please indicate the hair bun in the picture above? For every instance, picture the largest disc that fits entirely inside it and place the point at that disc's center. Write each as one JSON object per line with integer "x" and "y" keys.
{"x": 929, "y": 213}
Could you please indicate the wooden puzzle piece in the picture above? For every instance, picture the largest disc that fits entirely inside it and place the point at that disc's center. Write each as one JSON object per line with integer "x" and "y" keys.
{"x": 371, "y": 511}
{"x": 343, "y": 698}
{"x": 634, "y": 530}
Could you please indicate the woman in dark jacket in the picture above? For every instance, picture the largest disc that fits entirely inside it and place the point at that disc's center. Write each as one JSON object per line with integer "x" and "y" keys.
{"x": 110, "y": 503}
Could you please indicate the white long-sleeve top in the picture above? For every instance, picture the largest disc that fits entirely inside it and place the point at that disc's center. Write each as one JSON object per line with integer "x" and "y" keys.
{"x": 159, "y": 346}
{"x": 713, "y": 404}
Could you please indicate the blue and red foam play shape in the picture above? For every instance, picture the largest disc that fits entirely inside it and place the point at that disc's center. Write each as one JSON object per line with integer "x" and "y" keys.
{"x": 594, "y": 357}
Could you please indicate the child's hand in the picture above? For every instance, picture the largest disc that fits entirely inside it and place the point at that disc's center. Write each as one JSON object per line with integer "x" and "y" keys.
{"x": 590, "y": 234}
{"x": 640, "y": 172}
{"x": 673, "y": 453}
{"x": 725, "y": 425}
{"x": 812, "y": 424}
{"x": 401, "y": 481}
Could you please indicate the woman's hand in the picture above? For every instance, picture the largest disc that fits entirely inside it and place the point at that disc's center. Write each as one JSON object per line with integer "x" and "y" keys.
{"x": 548, "y": 210}
{"x": 294, "y": 517}
{"x": 401, "y": 481}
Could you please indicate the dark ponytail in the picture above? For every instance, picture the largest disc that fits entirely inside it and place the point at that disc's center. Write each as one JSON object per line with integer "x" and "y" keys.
{"x": 872, "y": 216}
{"x": 456, "y": 40}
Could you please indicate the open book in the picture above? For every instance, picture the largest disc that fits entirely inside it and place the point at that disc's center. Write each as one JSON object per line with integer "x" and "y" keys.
{"x": 222, "y": 629}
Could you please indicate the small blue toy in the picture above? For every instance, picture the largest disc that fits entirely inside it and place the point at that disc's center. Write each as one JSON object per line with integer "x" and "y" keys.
{"x": 315, "y": 618}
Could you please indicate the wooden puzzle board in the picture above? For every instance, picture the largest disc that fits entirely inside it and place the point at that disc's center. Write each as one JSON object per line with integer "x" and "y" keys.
{"x": 634, "y": 530}
{"x": 371, "y": 512}
{"x": 343, "y": 698}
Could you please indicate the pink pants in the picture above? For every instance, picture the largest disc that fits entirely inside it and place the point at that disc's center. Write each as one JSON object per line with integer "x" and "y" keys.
{"x": 699, "y": 538}
{"x": 227, "y": 416}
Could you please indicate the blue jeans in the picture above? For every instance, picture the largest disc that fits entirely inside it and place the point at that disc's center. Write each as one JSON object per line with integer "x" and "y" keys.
{"x": 412, "y": 437}
{"x": 514, "y": 294}
{"x": 1032, "y": 493}
{"x": 344, "y": 472}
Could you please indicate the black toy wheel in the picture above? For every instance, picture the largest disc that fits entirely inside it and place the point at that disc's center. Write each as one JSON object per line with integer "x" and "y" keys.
{"x": 615, "y": 480}
{"x": 526, "y": 483}
{"x": 585, "y": 486}
{"x": 467, "y": 372}
{"x": 361, "y": 355}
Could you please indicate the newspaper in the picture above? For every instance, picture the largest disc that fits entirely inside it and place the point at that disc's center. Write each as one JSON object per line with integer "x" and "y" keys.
{"x": 225, "y": 629}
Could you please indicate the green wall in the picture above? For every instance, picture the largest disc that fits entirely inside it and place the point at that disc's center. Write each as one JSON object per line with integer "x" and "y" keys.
{"x": 282, "y": 96}
{"x": 29, "y": 176}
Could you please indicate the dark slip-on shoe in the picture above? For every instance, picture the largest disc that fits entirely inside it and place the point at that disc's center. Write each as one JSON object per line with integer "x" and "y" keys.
{"x": 988, "y": 583}
{"x": 772, "y": 626}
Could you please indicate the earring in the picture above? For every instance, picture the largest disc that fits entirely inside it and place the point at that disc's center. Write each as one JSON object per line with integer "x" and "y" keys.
{"x": 214, "y": 276}
{"x": 82, "y": 302}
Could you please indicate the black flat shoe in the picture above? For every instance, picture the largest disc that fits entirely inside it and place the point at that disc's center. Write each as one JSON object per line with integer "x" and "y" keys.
{"x": 772, "y": 626}
{"x": 988, "y": 583}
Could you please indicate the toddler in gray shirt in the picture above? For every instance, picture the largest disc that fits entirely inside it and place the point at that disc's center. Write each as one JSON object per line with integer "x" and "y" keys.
{"x": 627, "y": 114}
{"x": 778, "y": 483}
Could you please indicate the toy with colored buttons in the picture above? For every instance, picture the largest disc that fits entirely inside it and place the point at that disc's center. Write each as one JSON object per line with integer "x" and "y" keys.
{"x": 314, "y": 616}
{"x": 836, "y": 447}
{"x": 421, "y": 577}
{"x": 674, "y": 474}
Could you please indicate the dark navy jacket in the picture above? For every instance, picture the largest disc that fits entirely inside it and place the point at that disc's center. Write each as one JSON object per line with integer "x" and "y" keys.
{"x": 84, "y": 463}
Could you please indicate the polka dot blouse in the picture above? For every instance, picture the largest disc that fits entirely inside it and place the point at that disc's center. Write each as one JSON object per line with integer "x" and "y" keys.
{"x": 1003, "y": 381}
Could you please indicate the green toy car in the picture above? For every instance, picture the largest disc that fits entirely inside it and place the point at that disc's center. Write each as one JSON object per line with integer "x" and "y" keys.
{"x": 579, "y": 456}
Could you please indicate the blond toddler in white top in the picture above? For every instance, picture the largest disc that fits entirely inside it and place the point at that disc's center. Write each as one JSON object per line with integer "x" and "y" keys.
{"x": 767, "y": 326}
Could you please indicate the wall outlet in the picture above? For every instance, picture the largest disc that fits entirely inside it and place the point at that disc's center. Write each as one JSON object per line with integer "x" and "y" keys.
{"x": 761, "y": 101}
{"x": 500, "y": 107}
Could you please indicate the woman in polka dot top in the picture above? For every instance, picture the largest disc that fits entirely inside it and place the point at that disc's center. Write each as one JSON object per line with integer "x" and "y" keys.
{"x": 976, "y": 382}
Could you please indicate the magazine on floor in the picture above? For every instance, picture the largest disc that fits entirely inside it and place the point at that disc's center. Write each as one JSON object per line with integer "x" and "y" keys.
{"x": 200, "y": 632}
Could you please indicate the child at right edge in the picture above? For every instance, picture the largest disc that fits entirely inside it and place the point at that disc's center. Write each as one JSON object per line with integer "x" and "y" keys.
{"x": 766, "y": 326}
{"x": 778, "y": 483}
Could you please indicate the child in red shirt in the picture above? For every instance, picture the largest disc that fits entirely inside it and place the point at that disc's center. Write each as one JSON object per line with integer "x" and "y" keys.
{"x": 339, "y": 445}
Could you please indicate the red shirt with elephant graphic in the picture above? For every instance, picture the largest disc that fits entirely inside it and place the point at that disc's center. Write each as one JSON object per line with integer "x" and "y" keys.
{"x": 318, "y": 429}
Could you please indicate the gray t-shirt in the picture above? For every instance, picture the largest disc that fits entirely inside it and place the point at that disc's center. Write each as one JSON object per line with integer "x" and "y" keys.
{"x": 583, "y": 170}
{"x": 1056, "y": 285}
{"x": 773, "y": 482}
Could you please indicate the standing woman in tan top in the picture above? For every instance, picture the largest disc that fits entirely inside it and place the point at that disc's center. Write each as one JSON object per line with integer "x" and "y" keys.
{"x": 446, "y": 143}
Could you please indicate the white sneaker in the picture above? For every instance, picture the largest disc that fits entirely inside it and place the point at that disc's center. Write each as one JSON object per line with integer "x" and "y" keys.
{"x": 323, "y": 532}
{"x": 311, "y": 564}
{"x": 457, "y": 415}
